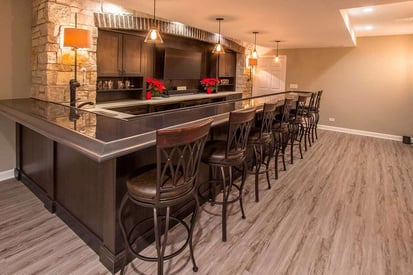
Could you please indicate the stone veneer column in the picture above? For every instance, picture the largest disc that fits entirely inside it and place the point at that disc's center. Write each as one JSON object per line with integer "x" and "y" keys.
{"x": 53, "y": 65}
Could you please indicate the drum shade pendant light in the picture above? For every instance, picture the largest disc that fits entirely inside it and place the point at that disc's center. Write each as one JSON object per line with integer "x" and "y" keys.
{"x": 218, "y": 49}
{"x": 277, "y": 58}
{"x": 253, "y": 59}
{"x": 153, "y": 35}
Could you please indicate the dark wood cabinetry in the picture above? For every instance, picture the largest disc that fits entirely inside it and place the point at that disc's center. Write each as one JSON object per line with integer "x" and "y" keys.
{"x": 224, "y": 67}
{"x": 118, "y": 54}
{"x": 119, "y": 60}
{"x": 227, "y": 65}
{"x": 123, "y": 56}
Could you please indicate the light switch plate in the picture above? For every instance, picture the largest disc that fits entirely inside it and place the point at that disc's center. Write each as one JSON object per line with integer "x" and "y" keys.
{"x": 293, "y": 86}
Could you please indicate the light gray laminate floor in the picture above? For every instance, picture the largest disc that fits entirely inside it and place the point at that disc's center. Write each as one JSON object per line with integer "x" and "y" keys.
{"x": 347, "y": 208}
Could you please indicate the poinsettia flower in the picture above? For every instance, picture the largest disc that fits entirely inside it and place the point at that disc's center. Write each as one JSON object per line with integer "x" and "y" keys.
{"x": 154, "y": 86}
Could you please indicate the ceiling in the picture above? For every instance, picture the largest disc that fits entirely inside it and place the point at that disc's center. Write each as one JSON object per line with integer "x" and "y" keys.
{"x": 297, "y": 23}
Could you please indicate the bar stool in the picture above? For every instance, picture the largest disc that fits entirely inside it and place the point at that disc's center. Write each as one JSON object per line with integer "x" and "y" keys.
{"x": 296, "y": 126}
{"x": 280, "y": 132}
{"x": 308, "y": 119}
{"x": 260, "y": 139}
{"x": 225, "y": 155}
{"x": 178, "y": 154}
{"x": 316, "y": 111}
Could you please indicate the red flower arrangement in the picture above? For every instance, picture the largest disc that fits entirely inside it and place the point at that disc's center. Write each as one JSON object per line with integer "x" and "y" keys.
{"x": 154, "y": 87}
{"x": 210, "y": 84}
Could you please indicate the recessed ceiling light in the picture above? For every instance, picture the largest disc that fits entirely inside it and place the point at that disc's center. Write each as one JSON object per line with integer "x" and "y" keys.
{"x": 360, "y": 11}
{"x": 405, "y": 19}
{"x": 367, "y": 10}
{"x": 364, "y": 28}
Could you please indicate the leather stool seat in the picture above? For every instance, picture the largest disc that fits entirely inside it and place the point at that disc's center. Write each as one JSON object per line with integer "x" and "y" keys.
{"x": 255, "y": 136}
{"x": 143, "y": 187}
{"x": 215, "y": 152}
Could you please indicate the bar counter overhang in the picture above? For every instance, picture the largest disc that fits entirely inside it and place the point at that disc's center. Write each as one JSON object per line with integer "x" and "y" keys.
{"x": 77, "y": 162}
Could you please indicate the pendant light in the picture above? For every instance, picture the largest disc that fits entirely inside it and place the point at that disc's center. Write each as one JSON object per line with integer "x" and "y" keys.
{"x": 153, "y": 35}
{"x": 277, "y": 58}
{"x": 253, "y": 59}
{"x": 218, "y": 49}
{"x": 254, "y": 52}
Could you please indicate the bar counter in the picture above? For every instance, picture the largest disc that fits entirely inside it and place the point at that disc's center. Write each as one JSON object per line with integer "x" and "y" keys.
{"x": 77, "y": 161}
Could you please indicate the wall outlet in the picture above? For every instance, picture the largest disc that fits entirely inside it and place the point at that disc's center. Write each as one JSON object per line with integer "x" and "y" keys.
{"x": 331, "y": 119}
{"x": 293, "y": 86}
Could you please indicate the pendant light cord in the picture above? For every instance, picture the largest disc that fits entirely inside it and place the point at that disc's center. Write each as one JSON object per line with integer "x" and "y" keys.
{"x": 154, "y": 9}
{"x": 219, "y": 31}
{"x": 255, "y": 41}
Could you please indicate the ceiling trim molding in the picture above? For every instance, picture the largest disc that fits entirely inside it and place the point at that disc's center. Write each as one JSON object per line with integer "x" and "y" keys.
{"x": 130, "y": 22}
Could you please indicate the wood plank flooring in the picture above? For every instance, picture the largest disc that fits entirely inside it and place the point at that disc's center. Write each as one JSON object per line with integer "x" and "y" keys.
{"x": 346, "y": 208}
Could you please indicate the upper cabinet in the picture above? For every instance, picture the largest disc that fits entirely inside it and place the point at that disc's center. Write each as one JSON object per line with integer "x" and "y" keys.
{"x": 118, "y": 54}
{"x": 223, "y": 65}
{"x": 227, "y": 65}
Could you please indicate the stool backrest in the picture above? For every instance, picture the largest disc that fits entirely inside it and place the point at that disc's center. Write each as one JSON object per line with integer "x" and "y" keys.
{"x": 268, "y": 115}
{"x": 300, "y": 107}
{"x": 318, "y": 100}
{"x": 285, "y": 110}
{"x": 239, "y": 127}
{"x": 311, "y": 104}
{"x": 178, "y": 154}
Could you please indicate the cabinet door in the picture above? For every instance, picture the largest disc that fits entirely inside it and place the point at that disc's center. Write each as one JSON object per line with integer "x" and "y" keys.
{"x": 108, "y": 54}
{"x": 131, "y": 55}
{"x": 227, "y": 64}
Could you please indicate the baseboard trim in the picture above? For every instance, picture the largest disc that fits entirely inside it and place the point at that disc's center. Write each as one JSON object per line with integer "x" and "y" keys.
{"x": 5, "y": 175}
{"x": 360, "y": 132}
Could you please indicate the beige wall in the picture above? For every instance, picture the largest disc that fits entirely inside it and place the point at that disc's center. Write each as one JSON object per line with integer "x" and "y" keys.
{"x": 368, "y": 87}
{"x": 15, "y": 76}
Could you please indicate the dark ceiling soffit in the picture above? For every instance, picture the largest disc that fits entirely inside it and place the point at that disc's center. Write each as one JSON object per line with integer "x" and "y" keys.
{"x": 130, "y": 22}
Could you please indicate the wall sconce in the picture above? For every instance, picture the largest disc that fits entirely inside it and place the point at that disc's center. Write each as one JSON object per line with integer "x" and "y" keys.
{"x": 76, "y": 39}
{"x": 252, "y": 60}
{"x": 218, "y": 49}
{"x": 153, "y": 35}
{"x": 254, "y": 52}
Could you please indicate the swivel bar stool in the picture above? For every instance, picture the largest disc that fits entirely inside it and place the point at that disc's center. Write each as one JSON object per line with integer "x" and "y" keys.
{"x": 308, "y": 119}
{"x": 280, "y": 130}
{"x": 260, "y": 139}
{"x": 224, "y": 155}
{"x": 296, "y": 126}
{"x": 316, "y": 111}
{"x": 178, "y": 155}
